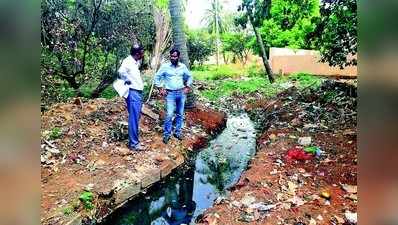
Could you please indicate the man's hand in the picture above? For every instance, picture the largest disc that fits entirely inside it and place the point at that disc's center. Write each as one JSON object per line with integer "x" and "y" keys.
{"x": 186, "y": 89}
{"x": 162, "y": 91}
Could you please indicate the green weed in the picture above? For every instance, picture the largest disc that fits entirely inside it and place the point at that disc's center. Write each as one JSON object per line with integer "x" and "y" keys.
{"x": 329, "y": 96}
{"x": 109, "y": 93}
{"x": 305, "y": 80}
{"x": 67, "y": 210}
{"x": 55, "y": 133}
{"x": 87, "y": 198}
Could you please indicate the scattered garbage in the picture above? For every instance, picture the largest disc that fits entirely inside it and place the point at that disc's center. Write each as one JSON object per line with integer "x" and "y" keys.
{"x": 351, "y": 189}
{"x": 326, "y": 195}
{"x": 315, "y": 150}
{"x": 339, "y": 219}
{"x": 351, "y": 217}
{"x": 304, "y": 141}
{"x": 261, "y": 206}
{"x": 297, "y": 153}
{"x": 299, "y": 223}
{"x": 247, "y": 200}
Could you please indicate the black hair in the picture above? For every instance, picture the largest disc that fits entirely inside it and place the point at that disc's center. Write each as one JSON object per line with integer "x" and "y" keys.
{"x": 175, "y": 50}
{"x": 135, "y": 48}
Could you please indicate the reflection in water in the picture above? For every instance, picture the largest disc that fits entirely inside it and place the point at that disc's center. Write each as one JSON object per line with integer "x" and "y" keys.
{"x": 220, "y": 165}
{"x": 185, "y": 196}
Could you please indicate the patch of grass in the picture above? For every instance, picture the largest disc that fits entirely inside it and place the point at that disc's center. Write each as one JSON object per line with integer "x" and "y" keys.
{"x": 259, "y": 83}
{"x": 66, "y": 92}
{"x": 255, "y": 71}
{"x": 252, "y": 79}
{"x": 67, "y": 210}
{"x": 201, "y": 67}
{"x": 242, "y": 86}
{"x": 55, "y": 133}
{"x": 109, "y": 93}
{"x": 87, "y": 88}
{"x": 304, "y": 80}
{"x": 329, "y": 96}
{"x": 212, "y": 72}
{"x": 87, "y": 198}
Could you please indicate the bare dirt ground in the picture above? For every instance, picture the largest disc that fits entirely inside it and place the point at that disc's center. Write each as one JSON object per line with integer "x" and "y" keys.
{"x": 282, "y": 188}
{"x": 84, "y": 149}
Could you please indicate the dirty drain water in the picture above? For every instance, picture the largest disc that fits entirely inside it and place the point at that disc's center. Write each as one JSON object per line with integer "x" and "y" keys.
{"x": 186, "y": 195}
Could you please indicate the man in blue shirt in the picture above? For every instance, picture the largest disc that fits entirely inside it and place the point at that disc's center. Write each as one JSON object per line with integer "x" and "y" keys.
{"x": 174, "y": 81}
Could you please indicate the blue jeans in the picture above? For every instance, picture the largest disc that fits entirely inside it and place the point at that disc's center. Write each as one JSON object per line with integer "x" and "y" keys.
{"x": 175, "y": 102}
{"x": 134, "y": 104}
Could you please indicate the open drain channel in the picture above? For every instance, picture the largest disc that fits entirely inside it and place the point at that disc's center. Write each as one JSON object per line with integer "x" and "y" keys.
{"x": 184, "y": 196}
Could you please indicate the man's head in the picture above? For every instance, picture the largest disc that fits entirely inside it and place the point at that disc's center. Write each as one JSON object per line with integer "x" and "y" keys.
{"x": 174, "y": 56}
{"x": 137, "y": 52}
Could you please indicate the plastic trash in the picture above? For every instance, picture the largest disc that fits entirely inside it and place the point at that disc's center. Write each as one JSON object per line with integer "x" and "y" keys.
{"x": 315, "y": 150}
{"x": 304, "y": 141}
{"x": 262, "y": 206}
{"x": 297, "y": 154}
{"x": 326, "y": 195}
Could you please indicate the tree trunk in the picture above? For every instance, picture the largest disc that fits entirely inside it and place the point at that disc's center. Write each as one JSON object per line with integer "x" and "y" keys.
{"x": 178, "y": 30}
{"x": 101, "y": 87}
{"x": 263, "y": 53}
{"x": 163, "y": 34}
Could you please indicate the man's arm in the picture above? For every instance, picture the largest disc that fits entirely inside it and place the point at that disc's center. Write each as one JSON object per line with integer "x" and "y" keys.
{"x": 187, "y": 80}
{"x": 123, "y": 72}
{"x": 158, "y": 80}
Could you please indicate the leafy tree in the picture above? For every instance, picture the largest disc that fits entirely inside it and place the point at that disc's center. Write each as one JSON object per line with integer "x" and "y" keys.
{"x": 336, "y": 32}
{"x": 238, "y": 44}
{"x": 254, "y": 12}
{"x": 83, "y": 41}
{"x": 289, "y": 23}
{"x": 200, "y": 46}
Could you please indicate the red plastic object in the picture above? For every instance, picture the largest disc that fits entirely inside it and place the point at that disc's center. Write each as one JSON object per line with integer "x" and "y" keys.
{"x": 297, "y": 153}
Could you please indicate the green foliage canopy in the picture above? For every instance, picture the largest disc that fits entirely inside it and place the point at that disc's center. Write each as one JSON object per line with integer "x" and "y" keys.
{"x": 237, "y": 43}
{"x": 200, "y": 46}
{"x": 83, "y": 42}
{"x": 289, "y": 23}
{"x": 336, "y": 33}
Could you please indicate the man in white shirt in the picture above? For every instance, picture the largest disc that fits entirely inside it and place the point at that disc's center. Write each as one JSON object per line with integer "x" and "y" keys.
{"x": 130, "y": 73}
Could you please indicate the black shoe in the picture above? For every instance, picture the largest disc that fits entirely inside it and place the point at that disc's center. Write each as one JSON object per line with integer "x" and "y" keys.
{"x": 166, "y": 140}
{"x": 179, "y": 137}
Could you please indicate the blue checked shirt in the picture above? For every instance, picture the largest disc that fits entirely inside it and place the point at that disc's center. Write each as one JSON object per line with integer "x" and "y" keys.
{"x": 173, "y": 78}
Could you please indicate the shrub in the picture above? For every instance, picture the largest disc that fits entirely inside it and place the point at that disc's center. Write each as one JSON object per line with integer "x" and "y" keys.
{"x": 55, "y": 133}
{"x": 87, "y": 198}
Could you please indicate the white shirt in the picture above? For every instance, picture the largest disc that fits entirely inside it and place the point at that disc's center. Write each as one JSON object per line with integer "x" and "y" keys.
{"x": 129, "y": 72}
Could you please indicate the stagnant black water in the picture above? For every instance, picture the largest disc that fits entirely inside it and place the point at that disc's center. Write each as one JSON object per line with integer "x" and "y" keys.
{"x": 184, "y": 196}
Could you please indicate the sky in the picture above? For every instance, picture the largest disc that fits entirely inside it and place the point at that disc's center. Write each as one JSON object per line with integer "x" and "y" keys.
{"x": 196, "y": 10}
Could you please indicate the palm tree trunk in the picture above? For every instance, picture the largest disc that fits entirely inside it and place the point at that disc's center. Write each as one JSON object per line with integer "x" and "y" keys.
{"x": 263, "y": 53}
{"x": 180, "y": 41}
{"x": 217, "y": 34}
{"x": 178, "y": 30}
